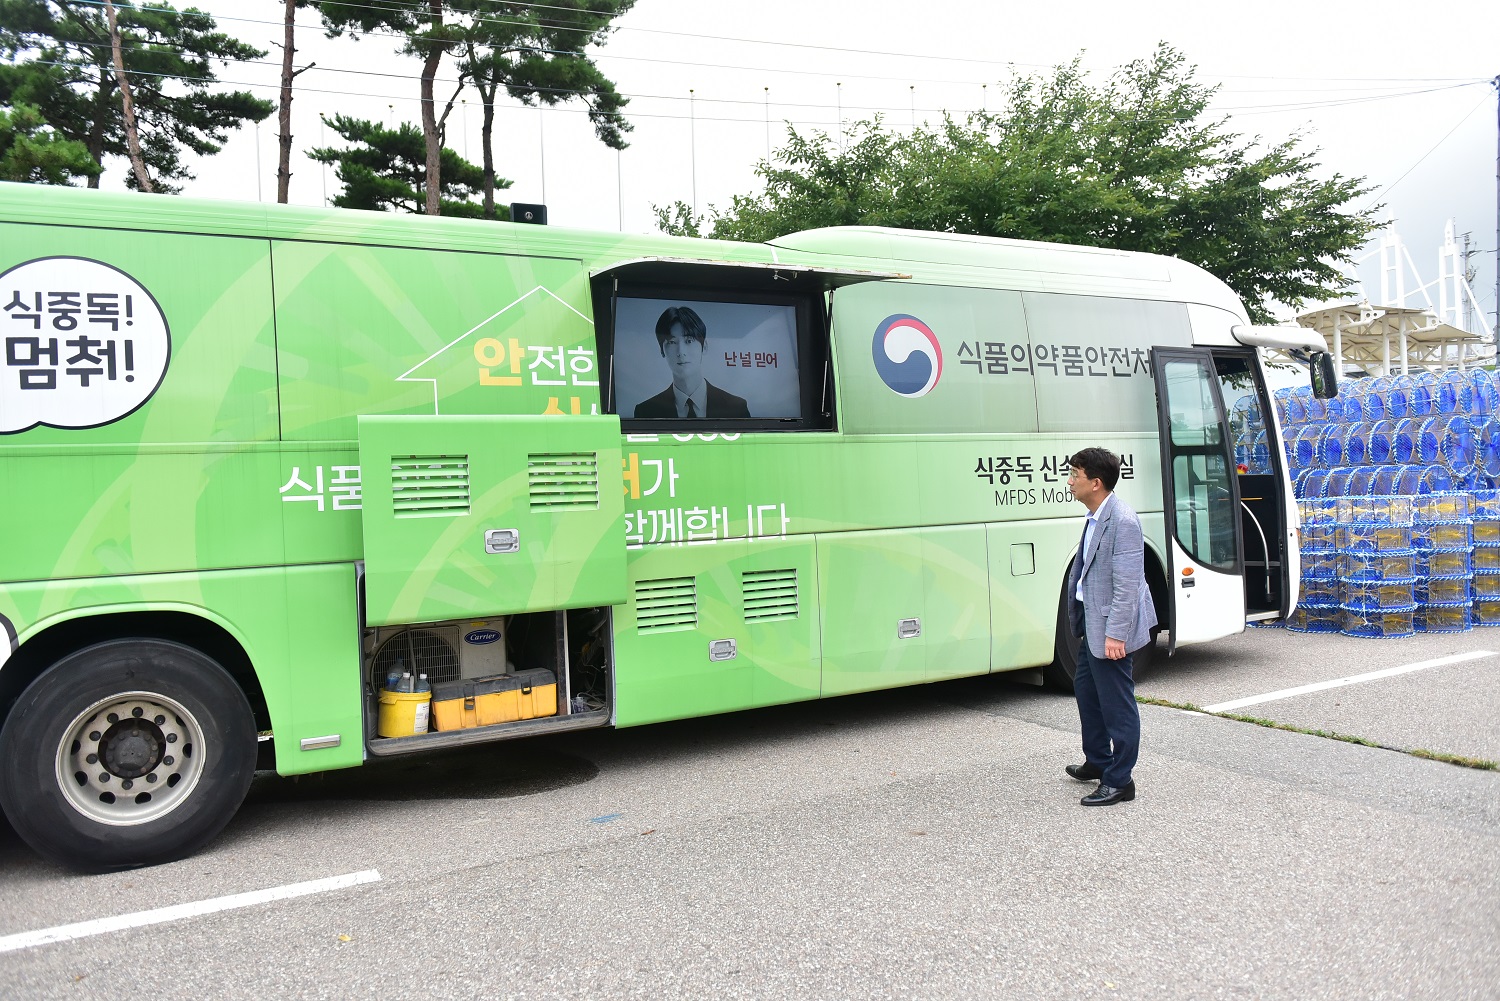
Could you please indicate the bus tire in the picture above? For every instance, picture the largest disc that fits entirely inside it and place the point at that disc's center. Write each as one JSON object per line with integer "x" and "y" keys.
{"x": 1058, "y": 675}
{"x": 127, "y": 753}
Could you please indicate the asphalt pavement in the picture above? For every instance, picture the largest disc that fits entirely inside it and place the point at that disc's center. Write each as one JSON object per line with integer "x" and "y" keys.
{"x": 921, "y": 843}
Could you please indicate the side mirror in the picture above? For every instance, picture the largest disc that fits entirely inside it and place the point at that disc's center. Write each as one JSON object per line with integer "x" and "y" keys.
{"x": 1325, "y": 376}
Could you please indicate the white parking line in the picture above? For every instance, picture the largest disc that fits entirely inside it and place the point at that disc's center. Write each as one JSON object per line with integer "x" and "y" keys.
{"x": 83, "y": 929}
{"x": 1355, "y": 679}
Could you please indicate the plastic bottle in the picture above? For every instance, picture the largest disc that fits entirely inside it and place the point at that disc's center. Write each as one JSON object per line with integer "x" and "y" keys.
{"x": 406, "y": 684}
{"x": 422, "y": 685}
{"x": 393, "y": 676}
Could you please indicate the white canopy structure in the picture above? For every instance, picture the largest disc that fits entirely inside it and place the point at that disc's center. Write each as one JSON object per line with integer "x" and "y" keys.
{"x": 1393, "y": 340}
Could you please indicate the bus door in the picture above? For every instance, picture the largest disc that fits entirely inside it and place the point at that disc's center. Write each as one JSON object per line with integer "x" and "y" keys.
{"x": 1266, "y": 512}
{"x": 1200, "y": 499}
{"x": 478, "y": 516}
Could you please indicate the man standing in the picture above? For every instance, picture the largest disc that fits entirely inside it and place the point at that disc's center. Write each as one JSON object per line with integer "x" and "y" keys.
{"x": 1109, "y": 606}
{"x": 681, "y": 335}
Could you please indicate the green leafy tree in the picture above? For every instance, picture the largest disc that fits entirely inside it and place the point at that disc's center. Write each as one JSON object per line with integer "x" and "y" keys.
{"x": 386, "y": 170}
{"x": 538, "y": 55}
{"x": 59, "y": 60}
{"x": 535, "y": 51}
{"x": 1136, "y": 163}
{"x": 32, "y": 151}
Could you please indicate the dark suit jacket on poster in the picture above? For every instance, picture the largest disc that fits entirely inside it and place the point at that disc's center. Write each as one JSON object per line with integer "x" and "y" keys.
{"x": 720, "y": 404}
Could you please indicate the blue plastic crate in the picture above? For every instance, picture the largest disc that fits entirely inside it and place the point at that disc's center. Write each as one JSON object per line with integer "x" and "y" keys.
{"x": 1320, "y": 592}
{"x": 1374, "y": 594}
{"x": 1320, "y": 563}
{"x": 1485, "y": 558}
{"x": 1443, "y": 563}
{"x": 1316, "y": 619}
{"x": 1370, "y": 537}
{"x": 1443, "y": 590}
{"x": 1379, "y": 623}
{"x": 1442, "y": 535}
{"x": 1486, "y": 584}
{"x": 1450, "y": 617}
{"x": 1395, "y": 564}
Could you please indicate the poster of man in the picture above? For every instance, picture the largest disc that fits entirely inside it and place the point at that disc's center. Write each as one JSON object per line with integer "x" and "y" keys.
{"x": 722, "y": 360}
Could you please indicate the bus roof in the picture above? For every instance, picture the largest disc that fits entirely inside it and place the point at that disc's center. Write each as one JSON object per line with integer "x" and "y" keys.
{"x": 1018, "y": 264}
{"x": 943, "y": 258}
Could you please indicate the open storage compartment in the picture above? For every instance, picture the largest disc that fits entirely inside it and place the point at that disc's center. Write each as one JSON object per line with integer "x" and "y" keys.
{"x": 497, "y": 678}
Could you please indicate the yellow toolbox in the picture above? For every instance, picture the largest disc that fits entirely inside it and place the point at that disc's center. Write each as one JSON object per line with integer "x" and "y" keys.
{"x": 500, "y": 698}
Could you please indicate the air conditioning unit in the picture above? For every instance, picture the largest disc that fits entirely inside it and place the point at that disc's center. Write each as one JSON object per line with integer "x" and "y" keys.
{"x": 443, "y": 652}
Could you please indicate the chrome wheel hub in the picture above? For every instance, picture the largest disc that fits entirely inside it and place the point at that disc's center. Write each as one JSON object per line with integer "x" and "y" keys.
{"x": 130, "y": 758}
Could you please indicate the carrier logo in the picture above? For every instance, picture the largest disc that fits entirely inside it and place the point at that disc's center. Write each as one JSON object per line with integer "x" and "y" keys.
{"x": 907, "y": 355}
{"x": 84, "y": 345}
{"x": 482, "y": 637}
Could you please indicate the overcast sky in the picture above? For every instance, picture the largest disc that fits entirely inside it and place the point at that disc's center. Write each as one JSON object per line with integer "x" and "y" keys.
{"x": 1392, "y": 92}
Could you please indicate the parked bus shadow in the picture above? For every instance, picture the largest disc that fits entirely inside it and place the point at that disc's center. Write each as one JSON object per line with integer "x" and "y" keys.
{"x": 1207, "y": 659}
{"x": 12, "y": 847}
{"x": 490, "y": 771}
{"x": 804, "y": 724}
{"x": 546, "y": 763}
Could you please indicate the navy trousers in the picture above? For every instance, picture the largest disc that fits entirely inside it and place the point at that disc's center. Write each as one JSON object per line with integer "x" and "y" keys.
{"x": 1107, "y": 714}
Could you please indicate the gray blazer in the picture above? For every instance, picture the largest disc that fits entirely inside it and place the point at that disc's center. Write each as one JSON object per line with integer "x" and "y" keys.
{"x": 1116, "y": 598}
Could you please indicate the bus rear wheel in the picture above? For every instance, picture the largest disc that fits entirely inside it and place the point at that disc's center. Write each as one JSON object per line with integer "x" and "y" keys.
{"x": 127, "y": 753}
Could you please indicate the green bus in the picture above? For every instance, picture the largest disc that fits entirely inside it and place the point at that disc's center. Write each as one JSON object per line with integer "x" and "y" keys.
{"x": 256, "y": 462}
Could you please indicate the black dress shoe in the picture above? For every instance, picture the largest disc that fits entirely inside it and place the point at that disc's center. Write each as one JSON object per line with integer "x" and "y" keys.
{"x": 1085, "y": 772}
{"x": 1105, "y": 795}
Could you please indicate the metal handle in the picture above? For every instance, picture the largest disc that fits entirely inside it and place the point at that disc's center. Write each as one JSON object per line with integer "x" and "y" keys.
{"x": 502, "y": 540}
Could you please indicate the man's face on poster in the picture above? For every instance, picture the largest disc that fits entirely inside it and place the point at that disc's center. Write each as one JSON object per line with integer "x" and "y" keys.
{"x": 684, "y": 356}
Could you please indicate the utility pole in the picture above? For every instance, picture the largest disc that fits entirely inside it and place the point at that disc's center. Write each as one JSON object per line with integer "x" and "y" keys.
{"x": 1496, "y": 328}
{"x": 1468, "y": 274}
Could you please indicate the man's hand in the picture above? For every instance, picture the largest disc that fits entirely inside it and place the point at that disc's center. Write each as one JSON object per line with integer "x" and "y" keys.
{"x": 1114, "y": 649}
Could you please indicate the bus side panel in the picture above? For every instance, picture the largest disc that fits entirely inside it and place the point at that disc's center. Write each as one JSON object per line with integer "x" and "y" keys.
{"x": 298, "y": 626}
{"x": 760, "y": 593}
{"x": 213, "y": 295}
{"x": 390, "y": 330}
{"x": 188, "y": 478}
{"x": 955, "y": 601}
{"x": 867, "y": 583}
{"x": 870, "y": 583}
{"x": 1027, "y": 563}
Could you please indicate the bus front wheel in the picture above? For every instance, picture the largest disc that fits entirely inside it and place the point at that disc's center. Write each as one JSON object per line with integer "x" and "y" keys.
{"x": 127, "y": 753}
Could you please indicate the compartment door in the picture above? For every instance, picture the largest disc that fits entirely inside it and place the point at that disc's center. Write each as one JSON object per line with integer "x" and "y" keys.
{"x": 1201, "y": 500}
{"x": 490, "y": 515}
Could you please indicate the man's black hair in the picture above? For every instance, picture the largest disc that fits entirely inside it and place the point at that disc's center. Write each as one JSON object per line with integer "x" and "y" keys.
{"x": 691, "y": 323}
{"x": 1097, "y": 464}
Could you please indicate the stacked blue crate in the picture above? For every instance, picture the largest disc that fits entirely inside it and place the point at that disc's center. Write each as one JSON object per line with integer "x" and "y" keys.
{"x": 1377, "y": 564}
{"x": 1486, "y": 557}
{"x": 1433, "y": 437}
{"x": 1438, "y": 432}
{"x": 1442, "y": 532}
{"x": 1318, "y": 603}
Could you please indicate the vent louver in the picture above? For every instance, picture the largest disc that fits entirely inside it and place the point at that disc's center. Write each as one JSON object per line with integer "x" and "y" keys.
{"x": 661, "y": 605}
{"x": 563, "y": 480}
{"x": 430, "y": 486}
{"x": 769, "y": 594}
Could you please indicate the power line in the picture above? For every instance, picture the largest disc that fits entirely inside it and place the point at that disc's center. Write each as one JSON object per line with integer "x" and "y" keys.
{"x": 1391, "y": 89}
{"x": 1342, "y": 102}
{"x": 303, "y": 88}
{"x": 1386, "y": 189}
{"x": 395, "y": 6}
